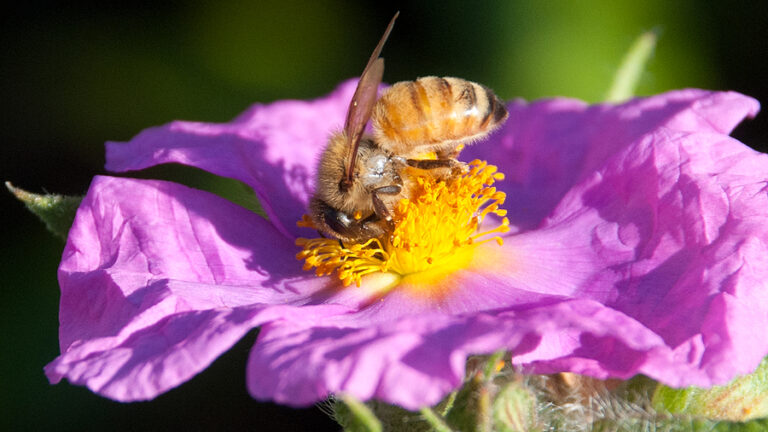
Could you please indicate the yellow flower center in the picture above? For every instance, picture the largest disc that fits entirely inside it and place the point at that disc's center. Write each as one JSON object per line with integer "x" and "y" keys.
{"x": 437, "y": 228}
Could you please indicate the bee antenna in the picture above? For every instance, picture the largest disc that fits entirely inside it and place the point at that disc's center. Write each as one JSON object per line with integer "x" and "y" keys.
{"x": 361, "y": 105}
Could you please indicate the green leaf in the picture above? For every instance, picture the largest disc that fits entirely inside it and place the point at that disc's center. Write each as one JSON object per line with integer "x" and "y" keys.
{"x": 745, "y": 398}
{"x": 632, "y": 66}
{"x": 56, "y": 211}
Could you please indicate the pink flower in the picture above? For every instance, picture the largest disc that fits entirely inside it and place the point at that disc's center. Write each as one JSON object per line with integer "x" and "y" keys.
{"x": 638, "y": 245}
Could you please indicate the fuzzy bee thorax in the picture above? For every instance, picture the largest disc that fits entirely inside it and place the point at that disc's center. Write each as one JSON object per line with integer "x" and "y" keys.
{"x": 374, "y": 168}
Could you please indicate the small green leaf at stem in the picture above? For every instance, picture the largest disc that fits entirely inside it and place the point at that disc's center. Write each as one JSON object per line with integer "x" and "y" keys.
{"x": 56, "y": 211}
{"x": 632, "y": 67}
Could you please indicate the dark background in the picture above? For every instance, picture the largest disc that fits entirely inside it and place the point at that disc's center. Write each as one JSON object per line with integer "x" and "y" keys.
{"x": 77, "y": 74}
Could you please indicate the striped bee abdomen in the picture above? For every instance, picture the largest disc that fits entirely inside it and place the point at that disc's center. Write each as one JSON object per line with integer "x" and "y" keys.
{"x": 434, "y": 113}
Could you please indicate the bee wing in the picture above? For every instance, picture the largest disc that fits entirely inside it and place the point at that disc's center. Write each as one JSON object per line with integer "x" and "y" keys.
{"x": 364, "y": 99}
{"x": 360, "y": 110}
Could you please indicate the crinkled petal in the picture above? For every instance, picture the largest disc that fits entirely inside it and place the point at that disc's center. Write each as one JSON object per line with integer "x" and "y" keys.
{"x": 640, "y": 248}
{"x": 673, "y": 232}
{"x": 141, "y": 363}
{"x": 664, "y": 239}
{"x": 548, "y": 146}
{"x": 272, "y": 148}
{"x": 692, "y": 208}
{"x": 417, "y": 360}
{"x": 157, "y": 280}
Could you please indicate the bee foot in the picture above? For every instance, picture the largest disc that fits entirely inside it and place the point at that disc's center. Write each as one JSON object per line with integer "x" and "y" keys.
{"x": 459, "y": 168}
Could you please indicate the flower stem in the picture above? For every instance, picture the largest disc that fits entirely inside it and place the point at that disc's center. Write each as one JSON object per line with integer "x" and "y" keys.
{"x": 435, "y": 421}
{"x": 364, "y": 419}
{"x": 449, "y": 403}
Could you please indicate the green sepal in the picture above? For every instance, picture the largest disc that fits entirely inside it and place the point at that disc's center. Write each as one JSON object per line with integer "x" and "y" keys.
{"x": 471, "y": 410}
{"x": 514, "y": 409}
{"x": 744, "y": 398}
{"x": 473, "y": 403}
{"x": 56, "y": 211}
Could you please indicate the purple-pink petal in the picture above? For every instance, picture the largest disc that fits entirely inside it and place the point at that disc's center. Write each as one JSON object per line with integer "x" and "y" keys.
{"x": 150, "y": 358}
{"x": 640, "y": 246}
{"x": 417, "y": 360}
{"x": 272, "y": 148}
{"x": 664, "y": 230}
{"x": 158, "y": 279}
{"x": 687, "y": 204}
{"x": 548, "y": 146}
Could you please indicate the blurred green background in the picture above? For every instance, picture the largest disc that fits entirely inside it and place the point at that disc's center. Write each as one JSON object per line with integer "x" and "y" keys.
{"x": 77, "y": 74}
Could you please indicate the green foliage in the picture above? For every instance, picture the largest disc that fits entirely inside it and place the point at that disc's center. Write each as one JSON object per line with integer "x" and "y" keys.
{"x": 670, "y": 424}
{"x": 228, "y": 188}
{"x": 355, "y": 416}
{"x": 628, "y": 75}
{"x": 471, "y": 410}
{"x": 436, "y": 422}
{"x": 572, "y": 48}
{"x": 473, "y": 406}
{"x": 56, "y": 211}
{"x": 495, "y": 399}
{"x": 514, "y": 409}
{"x": 391, "y": 418}
{"x": 745, "y": 398}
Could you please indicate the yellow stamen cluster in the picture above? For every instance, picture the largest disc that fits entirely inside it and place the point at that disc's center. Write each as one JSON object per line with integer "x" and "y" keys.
{"x": 441, "y": 219}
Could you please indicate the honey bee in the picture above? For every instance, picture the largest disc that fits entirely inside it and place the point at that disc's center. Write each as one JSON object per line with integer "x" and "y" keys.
{"x": 360, "y": 178}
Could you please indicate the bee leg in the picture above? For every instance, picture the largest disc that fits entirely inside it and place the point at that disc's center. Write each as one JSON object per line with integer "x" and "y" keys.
{"x": 381, "y": 209}
{"x": 442, "y": 167}
{"x": 378, "y": 205}
{"x": 426, "y": 164}
{"x": 388, "y": 190}
{"x": 450, "y": 153}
